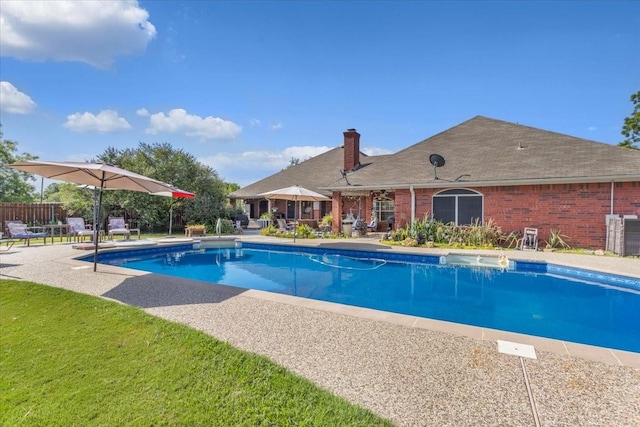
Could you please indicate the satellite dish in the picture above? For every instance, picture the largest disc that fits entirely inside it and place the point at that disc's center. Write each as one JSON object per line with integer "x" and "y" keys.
{"x": 437, "y": 161}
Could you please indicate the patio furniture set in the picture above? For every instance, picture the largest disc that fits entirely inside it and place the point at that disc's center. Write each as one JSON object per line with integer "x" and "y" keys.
{"x": 75, "y": 229}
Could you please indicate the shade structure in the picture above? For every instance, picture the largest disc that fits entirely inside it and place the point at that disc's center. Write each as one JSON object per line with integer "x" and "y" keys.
{"x": 297, "y": 194}
{"x": 176, "y": 193}
{"x": 100, "y": 175}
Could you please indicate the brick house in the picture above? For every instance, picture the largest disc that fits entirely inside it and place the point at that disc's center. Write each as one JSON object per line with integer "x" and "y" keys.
{"x": 516, "y": 175}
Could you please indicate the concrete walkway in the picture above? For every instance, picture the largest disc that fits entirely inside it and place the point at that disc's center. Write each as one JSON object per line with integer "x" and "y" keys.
{"x": 409, "y": 370}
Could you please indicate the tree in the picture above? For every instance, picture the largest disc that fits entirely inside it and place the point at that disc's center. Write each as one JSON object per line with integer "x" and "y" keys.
{"x": 77, "y": 201}
{"x": 292, "y": 162}
{"x": 14, "y": 184}
{"x": 631, "y": 127}
{"x": 176, "y": 167}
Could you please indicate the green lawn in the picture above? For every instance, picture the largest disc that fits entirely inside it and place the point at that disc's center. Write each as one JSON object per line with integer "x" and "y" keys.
{"x": 72, "y": 359}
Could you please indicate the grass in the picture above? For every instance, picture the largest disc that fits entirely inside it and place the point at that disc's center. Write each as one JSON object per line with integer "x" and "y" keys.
{"x": 72, "y": 359}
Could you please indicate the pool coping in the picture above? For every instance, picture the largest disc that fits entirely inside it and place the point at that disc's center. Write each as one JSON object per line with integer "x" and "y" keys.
{"x": 561, "y": 347}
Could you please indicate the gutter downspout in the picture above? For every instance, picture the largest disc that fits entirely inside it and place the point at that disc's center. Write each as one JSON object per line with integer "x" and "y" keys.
{"x": 612, "y": 186}
{"x": 413, "y": 204}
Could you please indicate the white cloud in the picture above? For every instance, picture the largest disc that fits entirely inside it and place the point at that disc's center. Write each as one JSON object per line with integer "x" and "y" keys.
{"x": 254, "y": 122}
{"x": 13, "y": 101}
{"x": 592, "y": 128}
{"x": 178, "y": 120}
{"x": 276, "y": 126}
{"x": 89, "y": 31}
{"x": 142, "y": 112}
{"x": 375, "y": 151}
{"x": 250, "y": 166}
{"x": 105, "y": 121}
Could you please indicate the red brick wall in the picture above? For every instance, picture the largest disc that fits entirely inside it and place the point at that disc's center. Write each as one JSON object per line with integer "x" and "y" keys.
{"x": 577, "y": 210}
{"x": 351, "y": 149}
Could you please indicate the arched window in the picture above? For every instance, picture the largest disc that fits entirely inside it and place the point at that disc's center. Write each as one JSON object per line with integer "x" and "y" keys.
{"x": 460, "y": 206}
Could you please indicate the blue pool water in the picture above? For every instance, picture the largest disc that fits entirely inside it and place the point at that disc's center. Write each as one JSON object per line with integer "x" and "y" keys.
{"x": 535, "y": 298}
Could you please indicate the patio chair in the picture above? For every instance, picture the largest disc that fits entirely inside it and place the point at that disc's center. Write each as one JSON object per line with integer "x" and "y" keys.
{"x": 9, "y": 242}
{"x": 79, "y": 229}
{"x": 118, "y": 226}
{"x": 373, "y": 225}
{"x": 529, "y": 239}
{"x": 282, "y": 225}
{"x": 19, "y": 230}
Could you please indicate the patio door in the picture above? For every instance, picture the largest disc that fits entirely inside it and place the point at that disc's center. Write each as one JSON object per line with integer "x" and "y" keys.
{"x": 291, "y": 209}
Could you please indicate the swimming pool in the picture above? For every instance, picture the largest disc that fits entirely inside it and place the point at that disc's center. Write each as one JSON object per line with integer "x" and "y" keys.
{"x": 531, "y": 298}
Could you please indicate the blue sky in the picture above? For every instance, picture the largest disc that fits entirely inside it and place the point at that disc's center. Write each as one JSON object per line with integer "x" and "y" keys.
{"x": 246, "y": 86}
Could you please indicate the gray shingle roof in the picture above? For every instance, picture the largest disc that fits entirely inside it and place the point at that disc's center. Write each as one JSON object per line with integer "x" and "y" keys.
{"x": 485, "y": 151}
{"x": 480, "y": 151}
{"x": 315, "y": 173}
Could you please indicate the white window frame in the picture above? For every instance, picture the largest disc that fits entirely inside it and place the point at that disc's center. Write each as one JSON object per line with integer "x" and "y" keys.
{"x": 451, "y": 193}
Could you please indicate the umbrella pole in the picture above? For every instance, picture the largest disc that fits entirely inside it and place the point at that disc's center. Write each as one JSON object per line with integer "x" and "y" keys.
{"x": 97, "y": 227}
{"x": 170, "y": 218}
{"x": 295, "y": 221}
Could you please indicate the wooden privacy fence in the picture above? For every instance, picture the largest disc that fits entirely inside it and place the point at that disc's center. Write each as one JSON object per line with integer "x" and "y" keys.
{"x": 32, "y": 213}
{"x": 52, "y": 212}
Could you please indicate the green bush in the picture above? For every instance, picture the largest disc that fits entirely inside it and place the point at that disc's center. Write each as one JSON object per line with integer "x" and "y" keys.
{"x": 419, "y": 232}
{"x": 304, "y": 231}
{"x": 269, "y": 231}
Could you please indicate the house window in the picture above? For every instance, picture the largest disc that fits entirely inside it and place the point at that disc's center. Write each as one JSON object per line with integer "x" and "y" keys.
{"x": 462, "y": 207}
{"x": 383, "y": 208}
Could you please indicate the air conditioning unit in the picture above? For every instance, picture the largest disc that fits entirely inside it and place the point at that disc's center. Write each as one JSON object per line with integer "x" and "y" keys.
{"x": 623, "y": 235}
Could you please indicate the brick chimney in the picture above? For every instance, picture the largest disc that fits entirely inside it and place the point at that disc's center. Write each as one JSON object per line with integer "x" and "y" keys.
{"x": 351, "y": 149}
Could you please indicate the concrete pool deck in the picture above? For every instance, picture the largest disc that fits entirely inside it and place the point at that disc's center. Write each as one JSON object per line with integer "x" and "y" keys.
{"x": 412, "y": 371}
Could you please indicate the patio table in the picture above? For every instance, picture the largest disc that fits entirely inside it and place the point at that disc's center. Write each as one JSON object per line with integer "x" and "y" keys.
{"x": 63, "y": 230}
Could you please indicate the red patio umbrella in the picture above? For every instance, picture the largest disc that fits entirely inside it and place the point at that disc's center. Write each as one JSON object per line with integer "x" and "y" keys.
{"x": 175, "y": 193}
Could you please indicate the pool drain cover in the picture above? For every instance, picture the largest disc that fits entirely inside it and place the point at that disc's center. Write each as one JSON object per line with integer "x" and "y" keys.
{"x": 516, "y": 349}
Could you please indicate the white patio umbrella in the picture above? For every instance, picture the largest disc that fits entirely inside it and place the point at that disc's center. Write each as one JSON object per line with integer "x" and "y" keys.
{"x": 176, "y": 193}
{"x": 99, "y": 175}
{"x": 295, "y": 193}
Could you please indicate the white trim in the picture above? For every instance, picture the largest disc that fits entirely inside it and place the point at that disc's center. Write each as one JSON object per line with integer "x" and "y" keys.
{"x": 413, "y": 204}
{"x": 486, "y": 183}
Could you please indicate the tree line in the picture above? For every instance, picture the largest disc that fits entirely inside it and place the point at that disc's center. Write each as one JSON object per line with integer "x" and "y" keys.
{"x": 159, "y": 161}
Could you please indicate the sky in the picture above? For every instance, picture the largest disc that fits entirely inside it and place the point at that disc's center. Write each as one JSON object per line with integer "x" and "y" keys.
{"x": 245, "y": 86}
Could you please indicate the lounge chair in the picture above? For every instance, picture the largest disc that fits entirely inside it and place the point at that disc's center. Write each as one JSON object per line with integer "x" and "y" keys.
{"x": 19, "y": 230}
{"x": 530, "y": 239}
{"x": 282, "y": 225}
{"x": 118, "y": 226}
{"x": 9, "y": 242}
{"x": 78, "y": 229}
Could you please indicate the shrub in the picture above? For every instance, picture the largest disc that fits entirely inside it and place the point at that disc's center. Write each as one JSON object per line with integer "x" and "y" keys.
{"x": 304, "y": 231}
{"x": 269, "y": 231}
{"x": 434, "y": 231}
{"x": 556, "y": 240}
